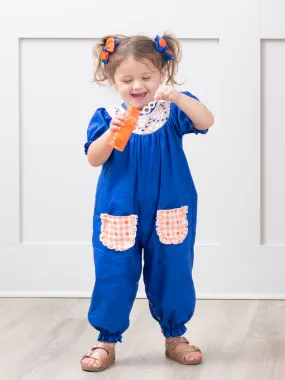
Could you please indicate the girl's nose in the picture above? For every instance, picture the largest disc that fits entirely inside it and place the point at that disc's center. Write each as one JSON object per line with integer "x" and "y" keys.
{"x": 136, "y": 85}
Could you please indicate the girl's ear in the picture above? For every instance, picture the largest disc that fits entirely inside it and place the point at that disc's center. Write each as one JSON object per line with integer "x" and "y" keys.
{"x": 113, "y": 84}
{"x": 162, "y": 76}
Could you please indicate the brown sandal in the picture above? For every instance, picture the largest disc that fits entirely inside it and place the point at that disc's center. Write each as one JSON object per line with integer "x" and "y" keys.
{"x": 105, "y": 363}
{"x": 179, "y": 356}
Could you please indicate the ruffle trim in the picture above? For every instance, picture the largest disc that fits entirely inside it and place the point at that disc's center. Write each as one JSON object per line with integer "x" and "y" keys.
{"x": 118, "y": 232}
{"x": 174, "y": 332}
{"x": 86, "y": 146}
{"x": 106, "y": 336}
{"x": 172, "y": 225}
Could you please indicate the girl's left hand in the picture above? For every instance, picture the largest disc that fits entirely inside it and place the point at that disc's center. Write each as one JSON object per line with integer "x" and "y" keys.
{"x": 167, "y": 93}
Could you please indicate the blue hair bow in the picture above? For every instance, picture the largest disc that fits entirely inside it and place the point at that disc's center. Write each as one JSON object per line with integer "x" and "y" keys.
{"x": 161, "y": 46}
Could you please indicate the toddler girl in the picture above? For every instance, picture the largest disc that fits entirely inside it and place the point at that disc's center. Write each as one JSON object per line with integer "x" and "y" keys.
{"x": 145, "y": 198}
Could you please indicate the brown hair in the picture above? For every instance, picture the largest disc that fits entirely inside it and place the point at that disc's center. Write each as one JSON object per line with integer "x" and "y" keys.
{"x": 141, "y": 48}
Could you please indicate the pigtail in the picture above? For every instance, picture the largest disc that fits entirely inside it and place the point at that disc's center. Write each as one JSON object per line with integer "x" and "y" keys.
{"x": 172, "y": 65}
{"x": 101, "y": 70}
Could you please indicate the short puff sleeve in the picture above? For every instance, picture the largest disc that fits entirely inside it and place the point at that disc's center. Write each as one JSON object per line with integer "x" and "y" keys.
{"x": 98, "y": 125}
{"x": 181, "y": 121}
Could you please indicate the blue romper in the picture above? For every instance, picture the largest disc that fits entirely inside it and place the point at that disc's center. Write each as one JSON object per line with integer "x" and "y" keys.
{"x": 146, "y": 201}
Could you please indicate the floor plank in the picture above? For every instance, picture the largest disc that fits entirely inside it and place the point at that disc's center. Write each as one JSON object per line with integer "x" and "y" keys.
{"x": 43, "y": 339}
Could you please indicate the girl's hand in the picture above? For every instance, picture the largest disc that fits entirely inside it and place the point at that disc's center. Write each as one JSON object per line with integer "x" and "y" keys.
{"x": 117, "y": 122}
{"x": 167, "y": 93}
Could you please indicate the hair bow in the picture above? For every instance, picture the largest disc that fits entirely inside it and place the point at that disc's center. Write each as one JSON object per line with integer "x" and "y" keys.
{"x": 108, "y": 49}
{"x": 160, "y": 45}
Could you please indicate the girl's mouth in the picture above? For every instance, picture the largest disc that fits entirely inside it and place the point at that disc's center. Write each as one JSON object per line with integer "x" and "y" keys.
{"x": 139, "y": 96}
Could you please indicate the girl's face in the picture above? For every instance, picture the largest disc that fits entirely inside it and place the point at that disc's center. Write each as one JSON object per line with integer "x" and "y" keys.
{"x": 137, "y": 82}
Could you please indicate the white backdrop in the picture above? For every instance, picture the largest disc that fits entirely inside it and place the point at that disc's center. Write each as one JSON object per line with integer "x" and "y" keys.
{"x": 233, "y": 60}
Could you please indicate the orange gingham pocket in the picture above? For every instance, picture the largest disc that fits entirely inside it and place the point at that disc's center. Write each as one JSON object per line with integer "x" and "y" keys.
{"x": 172, "y": 225}
{"x": 118, "y": 232}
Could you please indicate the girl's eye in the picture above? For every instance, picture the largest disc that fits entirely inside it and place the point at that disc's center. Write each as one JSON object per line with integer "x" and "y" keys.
{"x": 146, "y": 78}
{"x": 127, "y": 81}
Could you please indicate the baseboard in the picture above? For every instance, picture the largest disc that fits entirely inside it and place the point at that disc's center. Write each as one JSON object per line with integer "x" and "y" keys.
{"x": 229, "y": 296}
{"x": 142, "y": 295}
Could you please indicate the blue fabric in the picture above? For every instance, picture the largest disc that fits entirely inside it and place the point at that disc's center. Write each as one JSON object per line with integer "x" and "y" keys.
{"x": 151, "y": 174}
{"x": 164, "y": 50}
{"x": 98, "y": 124}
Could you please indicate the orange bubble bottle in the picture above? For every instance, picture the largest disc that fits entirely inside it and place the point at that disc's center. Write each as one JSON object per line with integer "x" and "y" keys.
{"x": 120, "y": 138}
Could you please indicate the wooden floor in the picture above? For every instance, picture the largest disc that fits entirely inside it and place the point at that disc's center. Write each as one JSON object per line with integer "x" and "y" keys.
{"x": 43, "y": 339}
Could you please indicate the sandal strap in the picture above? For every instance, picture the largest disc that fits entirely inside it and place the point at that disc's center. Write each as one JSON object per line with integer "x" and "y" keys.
{"x": 196, "y": 349}
{"x": 171, "y": 346}
{"x": 189, "y": 350}
{"x": 176, "y": 341}
{"x": 87, "y": 357}
{"x": 103, "y": 346}
{"x": 99, "y": 345}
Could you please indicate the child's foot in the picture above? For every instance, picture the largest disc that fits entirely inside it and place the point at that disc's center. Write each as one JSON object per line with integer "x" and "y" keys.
{"x": 100, "y": 357}
{"x": 180, "y": 350}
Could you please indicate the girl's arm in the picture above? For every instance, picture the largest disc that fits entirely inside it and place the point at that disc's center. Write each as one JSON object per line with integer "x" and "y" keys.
{"x": 99, "y": 151}
{"x": 201, "y": 117}
{"x": 199, "y": 114}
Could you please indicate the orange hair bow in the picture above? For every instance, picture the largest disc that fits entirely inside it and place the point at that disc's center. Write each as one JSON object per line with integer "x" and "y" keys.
{"x": 108, "y": 49}
{"x": 161, "y": 46}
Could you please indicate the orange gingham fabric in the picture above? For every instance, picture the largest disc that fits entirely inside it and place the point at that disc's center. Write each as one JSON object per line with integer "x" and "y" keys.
{"x": 172, "y": 225}
{"x": 118, "y": 232}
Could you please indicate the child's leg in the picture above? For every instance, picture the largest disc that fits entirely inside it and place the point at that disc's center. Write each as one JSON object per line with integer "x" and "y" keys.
{"x": 169, "y": 284}
{"x": 117, "y": 277}
{"x": 116, "y": 285}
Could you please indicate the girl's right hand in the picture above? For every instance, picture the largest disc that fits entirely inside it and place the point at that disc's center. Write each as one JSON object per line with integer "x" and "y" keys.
{"x": 117, "y": 122}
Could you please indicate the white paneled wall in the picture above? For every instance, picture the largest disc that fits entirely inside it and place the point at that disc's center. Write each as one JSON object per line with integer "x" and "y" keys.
{"x": 233, "y": 60}
{"x": 272, "y": 146}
